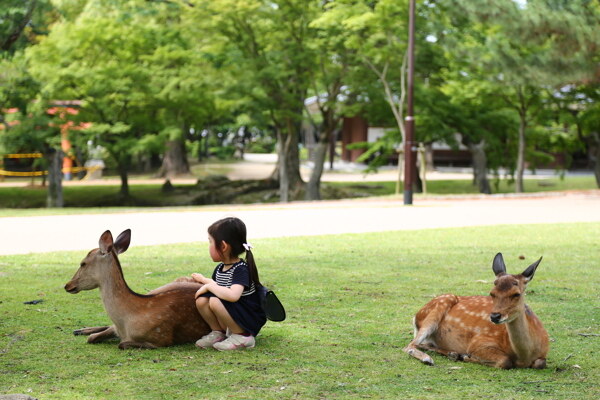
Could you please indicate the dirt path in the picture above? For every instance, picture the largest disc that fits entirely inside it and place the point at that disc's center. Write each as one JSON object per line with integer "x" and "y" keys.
{"x": 21, "y": 235}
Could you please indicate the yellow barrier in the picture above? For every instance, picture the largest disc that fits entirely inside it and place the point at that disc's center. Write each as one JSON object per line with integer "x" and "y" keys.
{"x": 24, "y": 155}
{"x": 73, "y": 170}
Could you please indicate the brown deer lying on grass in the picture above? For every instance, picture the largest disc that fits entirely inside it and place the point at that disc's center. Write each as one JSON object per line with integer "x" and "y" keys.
{"x": 499, "y": 330}
{"x": 166, "y": 316}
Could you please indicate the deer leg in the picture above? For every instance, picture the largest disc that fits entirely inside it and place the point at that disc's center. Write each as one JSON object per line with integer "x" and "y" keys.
{"x": 90, "y": 330}
{"x": 108, "y": 333}
{"x": 136, "y": 345}
{"x": 488, "y": 354}
{"x": 454, "y": 356}
{"x": 540, "y": 363}
{"x": 413, "y": 351}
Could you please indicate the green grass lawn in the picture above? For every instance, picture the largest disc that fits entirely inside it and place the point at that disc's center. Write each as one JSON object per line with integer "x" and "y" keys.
{"x": 465, "y": 186}
{"x": 350, "y": 301}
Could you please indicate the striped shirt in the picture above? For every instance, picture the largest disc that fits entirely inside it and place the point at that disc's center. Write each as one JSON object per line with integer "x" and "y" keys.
{"x": 238, "y": 274}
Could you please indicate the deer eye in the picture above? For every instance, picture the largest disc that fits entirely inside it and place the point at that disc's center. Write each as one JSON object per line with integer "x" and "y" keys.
{"x": 82, "y": 264}
{"x": 516, "y": 295}
{"x": 492, "y": 295}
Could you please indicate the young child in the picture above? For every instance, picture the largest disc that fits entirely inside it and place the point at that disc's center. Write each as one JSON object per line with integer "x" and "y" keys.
{"x": 230, "y": 300}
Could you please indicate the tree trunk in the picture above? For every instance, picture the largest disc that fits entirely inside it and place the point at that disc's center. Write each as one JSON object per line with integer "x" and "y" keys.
{"x": 123, "y": 168}
{"x": 282, "y": 161}
{"x": 521, "y": 153}
{"x": 175, "y": 160}
{"x": 54, "y": 199}
{"x": 124, "y": 192}
{"x": 429, "y": 157}
{"x": 13, "y": 36}
{"x": 480, "y": 167}
{"x": 596, "y": 156}
{"x": 288, "y": 163}
{"x": 313, "y": 187}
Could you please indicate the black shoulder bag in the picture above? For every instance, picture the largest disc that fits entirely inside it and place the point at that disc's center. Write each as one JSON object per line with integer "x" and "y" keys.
{"x": 271, "y": 304}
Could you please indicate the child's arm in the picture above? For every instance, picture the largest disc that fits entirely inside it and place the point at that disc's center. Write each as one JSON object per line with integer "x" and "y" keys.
{"x": 232, "y": 294}
{"x": 201, "y": 278}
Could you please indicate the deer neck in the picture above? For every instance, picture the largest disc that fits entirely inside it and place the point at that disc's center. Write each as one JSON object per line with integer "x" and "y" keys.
{"x": 521, "y": 338}
{"x": 118, "y": 299}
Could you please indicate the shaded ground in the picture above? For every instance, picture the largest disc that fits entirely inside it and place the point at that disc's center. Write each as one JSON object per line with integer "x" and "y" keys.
{"x": 261, "y": 166}
{"x": 247, "y": 182}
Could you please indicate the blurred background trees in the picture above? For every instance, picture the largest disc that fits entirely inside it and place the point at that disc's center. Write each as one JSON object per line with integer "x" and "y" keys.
{"x": 156, "y": 82}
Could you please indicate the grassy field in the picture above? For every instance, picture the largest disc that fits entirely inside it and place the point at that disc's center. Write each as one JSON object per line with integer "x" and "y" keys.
{"x": 145, "y": 195}
{"x": 350, "y": 300}
{"x": 465, "y": 186}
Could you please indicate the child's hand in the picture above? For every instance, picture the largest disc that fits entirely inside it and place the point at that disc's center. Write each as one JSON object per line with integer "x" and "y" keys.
{"x": 200, "y": 292}
{"x": 198, "y": 278}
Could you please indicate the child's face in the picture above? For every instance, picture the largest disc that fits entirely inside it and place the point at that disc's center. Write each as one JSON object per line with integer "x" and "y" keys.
{"x": 213, "y": 249}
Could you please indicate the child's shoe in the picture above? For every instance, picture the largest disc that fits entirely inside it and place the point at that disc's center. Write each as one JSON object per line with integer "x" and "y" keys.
{"x": 207, "y": 341}
{"x": 235, "y": 342}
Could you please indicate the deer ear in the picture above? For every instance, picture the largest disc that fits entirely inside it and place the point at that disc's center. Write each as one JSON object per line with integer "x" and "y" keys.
{"x": 106, "y": 242}
{"x": 498, "y": 265}
{"x": 122, "y": 242}
{"x": 528, "y": 273}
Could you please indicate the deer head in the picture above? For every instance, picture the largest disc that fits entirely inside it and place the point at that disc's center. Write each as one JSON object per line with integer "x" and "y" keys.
{"x": 509, "y": 291}
{"x": 93, "y": 267}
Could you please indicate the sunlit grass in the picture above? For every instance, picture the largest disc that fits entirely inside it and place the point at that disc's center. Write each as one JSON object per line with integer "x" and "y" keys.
{"x": 350, "y": 300}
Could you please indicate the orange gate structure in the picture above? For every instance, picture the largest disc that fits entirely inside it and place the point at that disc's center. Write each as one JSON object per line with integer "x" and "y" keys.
{"x": 61, "y": 109}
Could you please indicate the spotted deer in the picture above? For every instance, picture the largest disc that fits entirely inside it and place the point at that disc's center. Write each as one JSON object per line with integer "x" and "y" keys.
{"x": 165, "y": 316}
{"x": 498, "y": 330}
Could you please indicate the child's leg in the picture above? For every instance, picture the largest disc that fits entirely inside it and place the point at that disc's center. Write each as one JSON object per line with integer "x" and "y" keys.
{"x": 203, "y": 306}
{"x": 225, "y": 320}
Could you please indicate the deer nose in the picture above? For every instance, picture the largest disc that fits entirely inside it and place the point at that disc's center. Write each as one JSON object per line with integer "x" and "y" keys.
{"x": 495, "y": 317}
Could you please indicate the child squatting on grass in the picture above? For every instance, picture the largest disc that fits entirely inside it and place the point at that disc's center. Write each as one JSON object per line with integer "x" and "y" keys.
{"x": 230, "y": 300}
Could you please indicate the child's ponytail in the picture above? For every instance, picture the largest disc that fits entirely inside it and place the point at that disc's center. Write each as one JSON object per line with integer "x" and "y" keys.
{"x": 252, "y": 264}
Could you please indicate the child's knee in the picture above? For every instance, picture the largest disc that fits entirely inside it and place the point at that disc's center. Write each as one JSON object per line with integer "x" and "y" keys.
{"x": 215, "y": 303}
{"x": 201, "y": 302}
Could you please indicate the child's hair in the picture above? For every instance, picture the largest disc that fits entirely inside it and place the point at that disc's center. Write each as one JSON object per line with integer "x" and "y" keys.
{"x": 233, "y": 231}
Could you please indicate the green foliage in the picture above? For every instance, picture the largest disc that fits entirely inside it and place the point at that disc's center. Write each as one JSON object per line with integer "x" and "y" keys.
{"x": 347, "y": 322}
{"x": 22, "y": 23}
{"x": 263, "y": 145}
{"x": 378, "y": 153}
{"x": 35, "y": 130}
{"x": 222, "y": 152}
{"x": 152, "y": 72}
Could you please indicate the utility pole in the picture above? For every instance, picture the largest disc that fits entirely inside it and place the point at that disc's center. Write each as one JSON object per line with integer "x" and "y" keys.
{"x": 409, "y": 122}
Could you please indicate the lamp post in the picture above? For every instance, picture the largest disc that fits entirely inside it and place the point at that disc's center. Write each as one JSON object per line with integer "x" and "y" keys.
{"x": 409, "y": 121}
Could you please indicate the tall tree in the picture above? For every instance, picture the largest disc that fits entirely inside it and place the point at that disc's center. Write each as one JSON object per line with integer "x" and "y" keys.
{"x": 22, "y": 23}
{"x": 377, "y": 32}
{"x": 269, "y": 43}
{"x": 182, "y": 84}
{"x": 525, "y": 48}
{"x": 335, "y": 61}
{"x": 578, "y": 114}
{"x": 484, "y": 124}
{"x": 131, "y": 73}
